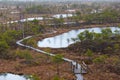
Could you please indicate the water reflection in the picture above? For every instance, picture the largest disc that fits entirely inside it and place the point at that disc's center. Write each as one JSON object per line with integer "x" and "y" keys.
{"x": 64, "y": 40}
{"x": 62, "y": 15}
{"x": 8, "y": 76}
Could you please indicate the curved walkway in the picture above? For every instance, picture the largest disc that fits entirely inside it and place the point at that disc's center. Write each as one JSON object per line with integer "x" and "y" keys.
{"x": 77, "y": 69}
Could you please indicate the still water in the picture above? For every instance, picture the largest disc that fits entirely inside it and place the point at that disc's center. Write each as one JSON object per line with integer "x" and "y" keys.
{"x": 41, "y": 18}
{"x": 65, "y": 39}
{"x": 62, "y": 15}
{"x": 9, "y": 76}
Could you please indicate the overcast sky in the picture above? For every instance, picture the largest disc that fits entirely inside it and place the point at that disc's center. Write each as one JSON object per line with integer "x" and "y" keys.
{"x": 59, "y": 0}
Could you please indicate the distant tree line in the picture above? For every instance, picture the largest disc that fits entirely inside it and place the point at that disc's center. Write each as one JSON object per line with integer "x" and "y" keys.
{"x": 107, "y": 16}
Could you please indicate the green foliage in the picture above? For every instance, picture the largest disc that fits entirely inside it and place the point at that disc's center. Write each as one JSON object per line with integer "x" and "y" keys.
{"x": 58, "y": 21}
{"x": 117, "y": 32}
{"x": 33, "y": 27}
{"x": 37, "y": 9}
{"x": 89, "y": 53}
{"x": 86, "y": 35}
{"x": 35, "y": 21}
{"x": 107, "y": 16}
{"x": 8, "y": 40}
{"x": 3, "y": 49}
{"x": 56, "y": 78}
{"x": 34, "y": 9}
{"x": 25, "y": 54}
{"x": 115, "y": 60}
{"x": 36, "y": 29}
{"x": 114, "y": 64}
{"x": 106, "y": 33}
{"x": 47, "y": 50}
{"x": 77, "y": 16}
{"x": 11, "y": 36}
{"x": 18, "y": 66}
{"x": 119, "y": 25}
{"x": 34, "y": 77}
{"x": 78, "y": 13}
{"x": 108, "y": 48}
{"x": 104, "y": 42}
{"x": 31, "y": 42}
{"x": 100, "y": 59}
{"x": 57, "y": 58}
{"x": 116, "y": 46}
{"x": 3, "y": 46}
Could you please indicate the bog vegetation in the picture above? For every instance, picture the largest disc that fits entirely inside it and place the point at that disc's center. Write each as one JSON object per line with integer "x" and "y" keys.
{"x": 101, "y": 49}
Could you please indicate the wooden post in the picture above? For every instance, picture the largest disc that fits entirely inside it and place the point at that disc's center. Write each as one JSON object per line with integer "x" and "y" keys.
{"x": 71, "y": 66}
{"x": 76, "y": 65}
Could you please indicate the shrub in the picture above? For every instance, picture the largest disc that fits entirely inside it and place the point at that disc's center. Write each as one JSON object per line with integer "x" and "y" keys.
{"x": 56, "y": 78}
{"x": 31, "y": 42}
{"x": 99, "y": 42}
{"x": 25, "y": 54}
{"x": 58, "y": 58}
{"x": 89, "y": 53}
{"x": 35, "y": 77}
{"x": 100, "y": 59}
{"x": 116, "y": 47}
{"x": 3, "y": 49}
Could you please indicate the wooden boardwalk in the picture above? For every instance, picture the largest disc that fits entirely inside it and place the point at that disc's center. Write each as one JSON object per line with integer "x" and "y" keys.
{"x": 77, "y": 69}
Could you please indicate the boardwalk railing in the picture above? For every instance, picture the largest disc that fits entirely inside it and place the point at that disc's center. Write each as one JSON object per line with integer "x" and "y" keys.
{"x": 77, "y": 68}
